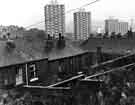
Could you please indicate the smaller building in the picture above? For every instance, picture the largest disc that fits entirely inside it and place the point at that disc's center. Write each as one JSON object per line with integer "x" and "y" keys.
{"x": 123, "y": 27}
{"x": 114, "y": 25}
{"x": 15, "y": 31}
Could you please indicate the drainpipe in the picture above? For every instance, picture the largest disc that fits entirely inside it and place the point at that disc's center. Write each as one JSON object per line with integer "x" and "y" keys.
{"x": 99, "y": 54}
{"x": 26, "y": 68}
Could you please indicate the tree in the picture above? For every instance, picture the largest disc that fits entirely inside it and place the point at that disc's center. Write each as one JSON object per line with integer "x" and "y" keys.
{"x": 99, "y": 35}
{"x": 10, "y": 46}
{"x": 130, "y": 34}
{"x": 8, "y": 35}
{"x": 113, "y": 35}
{"x": 105, "y": 35}
{"x": 119, "y": 36}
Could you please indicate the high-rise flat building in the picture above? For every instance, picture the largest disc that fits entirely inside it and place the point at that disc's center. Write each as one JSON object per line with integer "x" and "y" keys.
{"x": 123, "y": 27}
{"x": 113, "y": 25}
{"x": 82, "y": 25}
{"x": 55, "y": 19}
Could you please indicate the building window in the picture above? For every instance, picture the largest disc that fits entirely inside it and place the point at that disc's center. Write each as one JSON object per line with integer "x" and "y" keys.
{"x": 19, "y": 76}
{"x": 33, "y": 73}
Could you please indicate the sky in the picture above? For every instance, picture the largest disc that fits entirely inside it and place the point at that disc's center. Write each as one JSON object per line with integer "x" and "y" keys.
{"x": 28, "y": 12}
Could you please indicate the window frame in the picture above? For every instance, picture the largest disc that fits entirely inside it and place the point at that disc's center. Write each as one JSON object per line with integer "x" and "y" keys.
{"x": 19, "y": 75}
{"x": 34, "y": 71}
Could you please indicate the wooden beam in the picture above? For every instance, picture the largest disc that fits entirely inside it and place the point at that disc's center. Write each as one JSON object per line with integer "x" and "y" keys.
{"x": 111, "y": 61}
{"x": 109, "y": 71}
{"x": 46, "y": 87}
{"x": 67, "y": 80}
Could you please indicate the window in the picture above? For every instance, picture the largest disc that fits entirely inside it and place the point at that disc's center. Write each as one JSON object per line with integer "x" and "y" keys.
{"x": 59, "y": 68}
{"x": 71, "y": 61}
{"x": 33, "y": 73}
{"x": 19, "y": 76}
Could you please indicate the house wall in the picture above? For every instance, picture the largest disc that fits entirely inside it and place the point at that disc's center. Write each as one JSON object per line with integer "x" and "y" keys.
{"x": 53, "y": 69}
{"x": 69, "y": 66}
{"x": 48, "y": 71}
{"x": 8, "y": 74}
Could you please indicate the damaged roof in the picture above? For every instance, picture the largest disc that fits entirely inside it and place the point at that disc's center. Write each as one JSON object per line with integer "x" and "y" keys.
{"x": 25, "y": 51}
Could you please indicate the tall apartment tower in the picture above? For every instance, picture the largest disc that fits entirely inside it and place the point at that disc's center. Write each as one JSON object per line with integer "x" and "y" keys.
{"x": 55, "y": 19}
{"x": 82, "y": 25}
{"x": 113, "y": 25}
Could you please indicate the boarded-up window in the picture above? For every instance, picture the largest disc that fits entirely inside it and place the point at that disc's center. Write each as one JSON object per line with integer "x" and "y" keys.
{"x": 6, "y": 77}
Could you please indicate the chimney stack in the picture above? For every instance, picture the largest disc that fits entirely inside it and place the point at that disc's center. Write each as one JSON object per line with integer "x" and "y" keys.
{"x": 61, "y": 43}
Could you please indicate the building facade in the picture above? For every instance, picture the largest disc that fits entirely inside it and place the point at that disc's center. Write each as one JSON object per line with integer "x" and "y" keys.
{"x": 113, "y": 25}
{"x": 123, "y": 27}
{"x": 55, "y": 19}
{"x": 15, "y": 31}
{"x": 82, "y": 25}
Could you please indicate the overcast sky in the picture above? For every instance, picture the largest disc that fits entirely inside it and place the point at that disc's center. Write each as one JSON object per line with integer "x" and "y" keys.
{"x": 27, "y": 12}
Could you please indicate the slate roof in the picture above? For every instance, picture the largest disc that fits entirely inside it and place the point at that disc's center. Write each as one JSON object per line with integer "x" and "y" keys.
{"x": 33, "y": 50}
